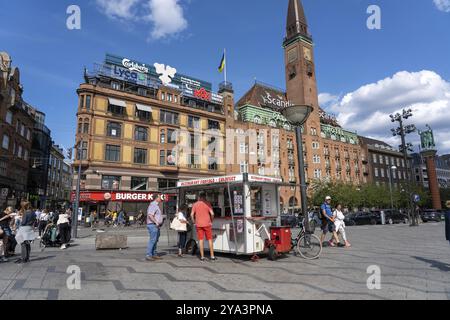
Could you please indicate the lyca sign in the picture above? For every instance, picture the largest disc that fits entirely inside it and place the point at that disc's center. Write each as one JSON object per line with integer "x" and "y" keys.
{"x": 134, "y": 66}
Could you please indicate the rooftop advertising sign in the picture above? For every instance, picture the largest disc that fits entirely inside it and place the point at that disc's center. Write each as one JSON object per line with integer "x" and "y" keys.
{"x": 163, "y": 74}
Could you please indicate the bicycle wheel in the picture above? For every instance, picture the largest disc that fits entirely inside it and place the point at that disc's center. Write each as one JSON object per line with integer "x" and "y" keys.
{"x": 309, "y": 247}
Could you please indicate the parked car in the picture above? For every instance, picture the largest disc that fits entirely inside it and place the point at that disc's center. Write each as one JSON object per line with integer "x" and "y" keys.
{"x": 391, "y": 216}
{"x": 432, "y": 215}
{"x": 349, "y": 219}
{"x": 289, "y": 220}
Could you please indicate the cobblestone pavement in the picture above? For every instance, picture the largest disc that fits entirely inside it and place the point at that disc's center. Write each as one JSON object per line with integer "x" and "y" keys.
{"x": 414, "y": 263}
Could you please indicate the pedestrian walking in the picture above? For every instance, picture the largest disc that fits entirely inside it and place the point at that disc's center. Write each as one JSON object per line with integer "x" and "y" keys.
{"x": 2, "y": 247}
{"x": 154, "y": 224}
{"x": 64, "y": 229}
{"x": 340, "y": 224}
{"x": 328, "y": 222}
{"x": 202, "y": 216}
{"x": 26, "y": 235}
{"x": 182, "y": 233}
{"x": 6, "y": 217}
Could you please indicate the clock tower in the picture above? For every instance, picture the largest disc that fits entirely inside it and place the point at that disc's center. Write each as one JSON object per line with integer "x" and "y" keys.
{"x": 301, "y": 87}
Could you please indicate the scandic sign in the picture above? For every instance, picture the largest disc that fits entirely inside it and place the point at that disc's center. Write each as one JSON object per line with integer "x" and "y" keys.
{"x": 118, "y": 196}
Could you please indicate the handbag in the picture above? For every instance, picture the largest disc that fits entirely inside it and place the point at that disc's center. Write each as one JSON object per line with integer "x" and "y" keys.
{"x": 177, "y": 225}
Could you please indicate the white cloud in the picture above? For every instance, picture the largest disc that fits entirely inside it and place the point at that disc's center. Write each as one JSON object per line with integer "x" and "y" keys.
{"x": 166, "y": 16}
{"x": 443, "y": 5}
{"x": 325, "y": 99}
{"x": 367, "y": 109}
{"x": 122, "y": 9}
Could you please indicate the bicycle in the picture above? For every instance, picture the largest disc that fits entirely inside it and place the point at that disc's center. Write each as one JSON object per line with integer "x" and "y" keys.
{"x": 306, "y": 244}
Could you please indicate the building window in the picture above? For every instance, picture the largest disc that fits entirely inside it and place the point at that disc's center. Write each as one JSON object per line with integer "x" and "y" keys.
{"x": 162, "y": 157}
{"x": 193, "y": 122}
{"x": 313, "y": 131}
{"x": 171, "y": 158}
{"x": 168, "y": 117}
{"x": 243, "y": 148}
{"x": 244, "y": 167}
{"x": 213, "y": 125}
{"x": 257, "y": 120}
{"x": 5, "y": 142}
{"x": 9, "y": 117}
{"x": 316, "y": 145}
{"x": 171, "y": 136}
{"x": 316, "y": 159}
{"x": 88, "y": 102}
{"x": 84, "y": 150}
{"x": 382, "y": 172}
{"x": 162, "y": 137}
{"x": 140, "y": 134}
{"x": 374, "y": 158}
{"x": 81, "y": 102}
{"x": 140, "y": 156}
{"x": 376, "y": 172}
{"x": 110, "y": 182}
{"x": 142, "y": 92}
{"x": 116, "y": 109}
{"x": 139, "y": 183}
{"x": 317, "y": 173}
{"x": 169, "y": 97}
{"x": 86, "y": 127}
{"x": 112, "y": 153}
{"x": 212, "y": 163}
{"x": 163, "y": 96}
{"x": 115, "y": 85}
{"x": 164, "y": 184}
{"x": 114, "y": 129}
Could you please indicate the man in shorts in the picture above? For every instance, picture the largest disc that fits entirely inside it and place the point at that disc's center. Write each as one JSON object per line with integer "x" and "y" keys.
{"x": 328, "y": 222}
{"x": 202, "y": 216}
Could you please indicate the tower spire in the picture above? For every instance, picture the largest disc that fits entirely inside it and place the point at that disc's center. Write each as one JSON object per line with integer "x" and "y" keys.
{"x": 296, "y": 20}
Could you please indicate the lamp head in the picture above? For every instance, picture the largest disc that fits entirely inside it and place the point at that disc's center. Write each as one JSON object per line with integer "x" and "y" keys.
{"x": 297, "y": 114}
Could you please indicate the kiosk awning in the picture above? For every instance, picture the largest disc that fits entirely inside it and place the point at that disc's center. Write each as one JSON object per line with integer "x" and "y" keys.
{"x": 116, "y": 102}
{"x": 142, "y": 107}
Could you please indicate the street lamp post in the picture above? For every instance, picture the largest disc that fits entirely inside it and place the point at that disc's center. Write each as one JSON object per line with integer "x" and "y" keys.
{"x": 77, "y": 196}
{"x": 391, "y": 169}
{"x": 402, "y": 131}
{"x": 297, "y": 116}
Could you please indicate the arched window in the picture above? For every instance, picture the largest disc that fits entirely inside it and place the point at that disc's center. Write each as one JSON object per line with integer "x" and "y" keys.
{"x": 257, "y": 120}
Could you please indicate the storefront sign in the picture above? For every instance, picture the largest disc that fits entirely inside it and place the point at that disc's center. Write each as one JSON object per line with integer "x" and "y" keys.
{"x": 134, "y": 66}
{"x": 254, "y": 178}
{"x": 278, "y": 102}
{"x": 118, "y": 196}
{"x": 206, "y": 181}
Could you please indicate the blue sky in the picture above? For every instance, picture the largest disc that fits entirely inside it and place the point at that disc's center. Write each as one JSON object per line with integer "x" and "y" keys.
{"x": 191, "y": 35}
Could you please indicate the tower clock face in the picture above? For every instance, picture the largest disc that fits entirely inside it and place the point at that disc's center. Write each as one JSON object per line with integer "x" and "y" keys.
{"x": 307, "y": 53}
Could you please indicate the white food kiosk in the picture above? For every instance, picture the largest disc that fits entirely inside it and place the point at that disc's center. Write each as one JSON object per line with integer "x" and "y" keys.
{"x": 245, "y": 207}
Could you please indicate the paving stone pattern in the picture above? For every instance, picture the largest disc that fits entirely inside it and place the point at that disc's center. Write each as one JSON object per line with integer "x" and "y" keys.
{"x": 414, "y": 263}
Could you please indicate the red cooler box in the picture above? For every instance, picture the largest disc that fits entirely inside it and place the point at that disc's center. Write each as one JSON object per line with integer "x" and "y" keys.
{"x": 281, "y": 237}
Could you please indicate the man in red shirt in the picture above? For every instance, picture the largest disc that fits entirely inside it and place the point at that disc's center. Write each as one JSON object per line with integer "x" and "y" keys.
{"x": 202, "y": 215}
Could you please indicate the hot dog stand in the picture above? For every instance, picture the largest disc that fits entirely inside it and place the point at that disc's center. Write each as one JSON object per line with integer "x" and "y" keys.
{"x": 246, "y": 210}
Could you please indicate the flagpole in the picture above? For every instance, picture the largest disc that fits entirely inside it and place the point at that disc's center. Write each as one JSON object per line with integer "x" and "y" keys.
{"x": 225, "y": 55}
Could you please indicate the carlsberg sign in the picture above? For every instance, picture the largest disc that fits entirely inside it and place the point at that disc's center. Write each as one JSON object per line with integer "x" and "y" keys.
{"x": 134, "y": 66}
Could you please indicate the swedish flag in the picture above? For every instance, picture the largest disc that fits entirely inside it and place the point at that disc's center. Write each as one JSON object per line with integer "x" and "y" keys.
{"x": 222, "y": 63}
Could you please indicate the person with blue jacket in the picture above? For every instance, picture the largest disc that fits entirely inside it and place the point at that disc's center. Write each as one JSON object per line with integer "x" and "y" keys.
{"x": 328, "y": 222}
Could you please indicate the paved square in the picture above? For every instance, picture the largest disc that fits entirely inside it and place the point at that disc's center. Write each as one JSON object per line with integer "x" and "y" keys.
{"x": 414, "y": 264}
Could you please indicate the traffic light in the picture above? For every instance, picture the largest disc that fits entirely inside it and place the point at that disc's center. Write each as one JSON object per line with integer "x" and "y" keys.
{"x": 69, "y": 153}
